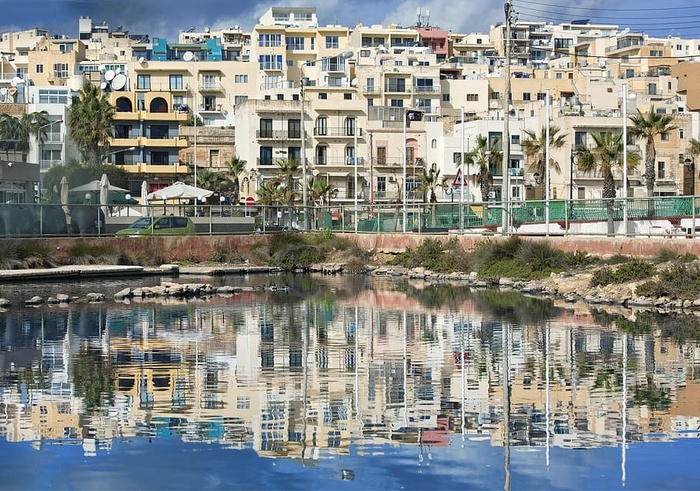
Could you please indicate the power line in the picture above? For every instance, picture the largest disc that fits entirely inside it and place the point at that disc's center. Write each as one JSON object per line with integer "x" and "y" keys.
{"x": 590, "y": 9}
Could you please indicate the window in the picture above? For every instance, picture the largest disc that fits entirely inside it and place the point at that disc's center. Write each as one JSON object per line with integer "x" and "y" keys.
{"x": 270, "y": 62}
{"x": 159, "y": 132}
{"x": 158, "y": 158}
{"x": 294, "y": 128}
{"x": 456, "y": 159}
{"x": 396, "y": 102}
{"x": 515, "y": 192}
{"x": 370, "y": 85}
{"x": 558, "y": 75}
{"x": 381, "y": 185}
{"x": 269, "y": 40}
{"x": 295, "y": 43}
{"x": 350, "y": 127}
{"x": 681, "y": 133}
{"x": 265, "y": 155}
{"x": 209, "y": 103}
{"x": 541, "y": 96}
{"x": 40, "y": 69}
{"x": 472, "y": 97}
{"x": 365, "y": 53}
{"x": 209, "y": 81}
{"x": 580, "y": 138}
{"x": 652, "y": 89}
{"x": 143, "y": 82}
{"x": 60, "y": 70}
{"x": 446, "y": 97}
{"x": 176, "y": 82}
{"x": 347, "y": 96}
{"x": 515, "y": 139}
{"x": 581, "y": 193}
{"x": 266, "y": 128}
{"x": 526, "y": 96}
{"x": 664, "y": 137}
{"x": 332, "y": 42}
{"x": 213, "y": 157}
{"x": 323, "y": 95}
{"x": 381, "y": 155}
{"x": 241, "y": 79}
{"x": 322, "y": 126}
{"x": 661, "y": 169}
{"x": 240, "y": 99}
{"x": 495, "y": 95}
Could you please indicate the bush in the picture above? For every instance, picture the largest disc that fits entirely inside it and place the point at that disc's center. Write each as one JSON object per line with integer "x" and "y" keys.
{"x": 436, "y": 256}
{"x": 633, "y": 270}
{"x": 579, "y": 258}
{"x": 680, "y": 281}
{"x": 540, "y": 257}
{"x": 602, "y": 277}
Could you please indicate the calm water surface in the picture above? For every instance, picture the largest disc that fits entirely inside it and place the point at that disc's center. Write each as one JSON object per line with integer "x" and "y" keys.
{"x": 344, "y": 383}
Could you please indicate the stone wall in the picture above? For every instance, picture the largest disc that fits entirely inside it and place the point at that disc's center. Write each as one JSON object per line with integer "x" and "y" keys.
{"x": 200, "y": 248}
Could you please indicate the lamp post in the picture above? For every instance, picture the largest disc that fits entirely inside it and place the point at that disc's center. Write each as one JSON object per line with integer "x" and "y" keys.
{"x": 689, "y": 162}
{"x": 305, "y": 184}
{"x": 108, "y": 155}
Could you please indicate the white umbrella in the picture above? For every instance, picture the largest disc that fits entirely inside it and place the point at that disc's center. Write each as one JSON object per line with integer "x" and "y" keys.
{"x": 180, "y": 190}
{"x": 64, "y": 194}
{"x": 95, "y": 187}
{"x": 104, "y": 193}
{"x": 144, "y": 198}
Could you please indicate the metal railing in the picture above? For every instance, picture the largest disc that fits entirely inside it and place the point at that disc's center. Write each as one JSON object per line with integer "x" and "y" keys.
{"x": 675, "y": 216}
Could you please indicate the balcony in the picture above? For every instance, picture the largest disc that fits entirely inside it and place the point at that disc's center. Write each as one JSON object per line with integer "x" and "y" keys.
{"x": 426, "y": 89}
{"x": 278, "y": 135}
{"x": 208, "y": 87}
{"x": 159, "y": 169}
{"x": 45, "y": 165}
{"x": 335, "y": 132}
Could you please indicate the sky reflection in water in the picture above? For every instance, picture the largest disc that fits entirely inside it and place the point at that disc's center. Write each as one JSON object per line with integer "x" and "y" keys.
{"x": 345, "y": 382}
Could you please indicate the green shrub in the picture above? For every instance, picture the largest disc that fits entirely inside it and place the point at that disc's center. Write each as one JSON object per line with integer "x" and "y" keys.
{"x": 489, "y": 251}
{"x": 436, "y": 256}
{"x": 579, "y": 258}
{"x": 541, "y": 257}
{"x": 679, "y": 281}
{"x": 602, "y": 277}
{"x": 634, "y": 270}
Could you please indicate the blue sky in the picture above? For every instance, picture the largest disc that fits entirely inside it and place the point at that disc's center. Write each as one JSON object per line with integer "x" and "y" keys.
{"x": 164, "y": 18}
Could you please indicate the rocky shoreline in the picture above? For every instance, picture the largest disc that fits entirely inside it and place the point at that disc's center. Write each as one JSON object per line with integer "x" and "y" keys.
{"x": 569, "y": 288}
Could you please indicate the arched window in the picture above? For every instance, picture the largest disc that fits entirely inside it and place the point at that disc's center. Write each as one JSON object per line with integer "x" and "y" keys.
{"x": 124, "y": 105}
{"x": 158, "y": 105}
{"x": 433, "y": 143}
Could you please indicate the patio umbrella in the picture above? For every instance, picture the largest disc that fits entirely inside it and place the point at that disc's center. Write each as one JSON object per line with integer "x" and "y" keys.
{"x": 180, "y": 190}
{"x": 64, "y": 194}
{"x": 104, "y": 193}
{"x": 144, "y": 198}
{"x": 94, "y": 187}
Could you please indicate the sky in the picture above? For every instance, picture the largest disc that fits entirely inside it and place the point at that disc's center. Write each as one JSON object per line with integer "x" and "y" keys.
{"x": 165, "y": 18}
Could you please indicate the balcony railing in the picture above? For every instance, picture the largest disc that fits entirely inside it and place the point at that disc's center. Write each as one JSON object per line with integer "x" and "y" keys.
{"x": 337, "y": 131}
{"x": 278, "y": 135}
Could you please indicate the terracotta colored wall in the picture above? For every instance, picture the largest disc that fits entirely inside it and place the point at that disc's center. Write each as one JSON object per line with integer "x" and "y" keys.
{"x": 200, "y": 247}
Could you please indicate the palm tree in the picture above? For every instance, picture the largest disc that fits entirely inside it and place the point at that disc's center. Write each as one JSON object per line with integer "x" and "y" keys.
{"x": 646, "y": 126}
{"x": 535, "y": 150}
{"x": 484, "y": 160}
{"x": 606, "y": 155}
{"x": 235, "y": 167}
{"x": 429, "y": 182}
{"x": 288, "y": 171}
{"x": 320, "y": 192}
{"x": 91, "y": 123}
{"x": 16, "y": 132}
{"x": 693, "y": 151}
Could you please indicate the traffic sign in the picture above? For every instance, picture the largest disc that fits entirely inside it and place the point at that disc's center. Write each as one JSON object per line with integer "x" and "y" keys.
{"x": 250, "y": 201}
{"x": 458, "y": 181}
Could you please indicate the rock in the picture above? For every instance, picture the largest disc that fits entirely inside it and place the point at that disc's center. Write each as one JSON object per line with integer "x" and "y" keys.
{"x": 122, "y": 294}
{"x": 5, "y": 302}
{"x": 35, "y": 300}
{"x": 63, "y": 298}
{"x": 95, "y": 297}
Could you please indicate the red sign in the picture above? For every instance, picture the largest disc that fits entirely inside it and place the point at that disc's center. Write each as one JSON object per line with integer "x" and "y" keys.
{"x": 458, "y": 181}
{"x": 250, "y": 201}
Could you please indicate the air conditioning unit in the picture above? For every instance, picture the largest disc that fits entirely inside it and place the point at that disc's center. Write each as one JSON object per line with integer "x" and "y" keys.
{"x": 392, "y": 179}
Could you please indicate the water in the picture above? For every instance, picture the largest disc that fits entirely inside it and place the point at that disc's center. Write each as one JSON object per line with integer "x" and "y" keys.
{"x": 345, "y": 382}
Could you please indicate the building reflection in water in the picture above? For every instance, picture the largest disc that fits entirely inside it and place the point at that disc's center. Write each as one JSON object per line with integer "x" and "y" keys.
{"x": 310, "y": 376}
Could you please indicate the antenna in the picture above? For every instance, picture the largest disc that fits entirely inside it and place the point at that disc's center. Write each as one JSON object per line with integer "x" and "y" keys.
{"x": 188, "y": 56}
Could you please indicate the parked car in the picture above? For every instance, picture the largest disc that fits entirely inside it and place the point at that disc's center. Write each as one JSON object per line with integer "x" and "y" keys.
{"x": 164, "y": 225}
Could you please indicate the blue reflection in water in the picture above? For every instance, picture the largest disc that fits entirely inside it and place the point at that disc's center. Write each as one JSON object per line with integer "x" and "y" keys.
{"x": 345, "y": 382}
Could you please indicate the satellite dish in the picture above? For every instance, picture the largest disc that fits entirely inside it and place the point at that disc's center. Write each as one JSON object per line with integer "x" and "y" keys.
{"x": 118, "y": 71}
{"x": 109, "y": 75}
{"x": 15, "y": 81}
{"x": 3, "y": 91}
{"x": 103, "y": 86}
{"x": 119, "y": 81}
{"x": 188, "y": 56}
{"x": 353, "y": 82}
{"x": 141, "y": 60}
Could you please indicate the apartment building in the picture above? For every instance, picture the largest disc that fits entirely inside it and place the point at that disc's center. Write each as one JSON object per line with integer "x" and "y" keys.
{"x": 333, "y": 96}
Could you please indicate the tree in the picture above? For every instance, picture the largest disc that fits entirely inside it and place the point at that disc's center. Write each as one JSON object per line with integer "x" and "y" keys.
{"x": 606, "y": 155}
{"x": 647, "y": 126}
{"x": 91, "y": 123}
{"x": 77, "y": 175}
{"x": 484, "y": 159}
{"x": 429, "y": 182}
{"x": 235, "y": 167}
{"x": 535, "y": 150}
{"x": 288, "y": 171}
{"x": 320, "y": 193}
{"x": 15, "y": 133}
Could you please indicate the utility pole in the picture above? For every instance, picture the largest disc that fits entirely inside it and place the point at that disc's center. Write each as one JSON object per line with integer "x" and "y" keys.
{"x": 505, "y": 191}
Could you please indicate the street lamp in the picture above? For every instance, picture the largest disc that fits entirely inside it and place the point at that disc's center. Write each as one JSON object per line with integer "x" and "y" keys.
{"x": 690, "y": 164}
{"x": 108, "y": 155}
{"x": 305, "y": 185}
